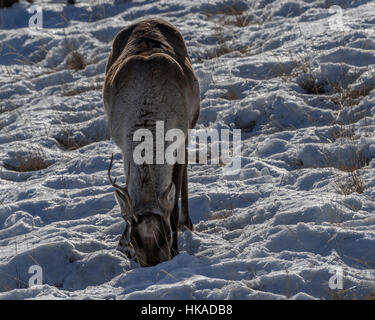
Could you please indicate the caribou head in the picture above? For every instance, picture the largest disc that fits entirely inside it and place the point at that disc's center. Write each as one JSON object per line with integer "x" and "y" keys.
{"x": 148, "y": 235}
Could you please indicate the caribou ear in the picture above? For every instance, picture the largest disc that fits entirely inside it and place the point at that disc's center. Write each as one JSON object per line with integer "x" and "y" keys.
{"x": 125, "y": 205}
{"x": 167, "y": 199}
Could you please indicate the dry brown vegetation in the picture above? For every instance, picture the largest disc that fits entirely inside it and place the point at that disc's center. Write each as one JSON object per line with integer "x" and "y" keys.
{"x": 77, "y": 91}
{"x": 237, "y": 8}
{"x": 351, "y": 179}
{"x": 345, "y": 97}
{"x": 68, "y": 142}
{"x": 235, "y": 14}
{"x": 29, "y": 162}
{"x": 353, "y": 182}
{"x": 241, "y": 20}
{"x": 76, "y": 61}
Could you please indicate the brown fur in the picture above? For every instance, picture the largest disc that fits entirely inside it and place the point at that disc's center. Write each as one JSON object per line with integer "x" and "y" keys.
{"x": 146, "y": 38}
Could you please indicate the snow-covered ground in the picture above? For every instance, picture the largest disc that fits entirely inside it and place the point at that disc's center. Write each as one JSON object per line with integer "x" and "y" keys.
{"x": 296, "y": 76}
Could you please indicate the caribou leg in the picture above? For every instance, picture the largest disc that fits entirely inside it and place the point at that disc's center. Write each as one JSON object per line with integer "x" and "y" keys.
{"x": 185, "y": 221}
{"x": 177, "y": 180}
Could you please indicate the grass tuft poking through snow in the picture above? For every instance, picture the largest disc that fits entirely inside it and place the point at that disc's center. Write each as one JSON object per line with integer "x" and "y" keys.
{"x": 32, "y": 161}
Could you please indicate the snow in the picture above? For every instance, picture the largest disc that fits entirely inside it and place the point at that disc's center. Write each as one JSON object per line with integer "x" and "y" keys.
{"x": 274, "y": 229}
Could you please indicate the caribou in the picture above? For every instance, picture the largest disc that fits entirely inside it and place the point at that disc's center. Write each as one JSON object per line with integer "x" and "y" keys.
{"x": 149, "y": 79}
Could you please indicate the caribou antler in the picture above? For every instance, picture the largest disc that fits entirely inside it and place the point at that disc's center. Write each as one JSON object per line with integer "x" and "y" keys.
{"x": 122, "y": 192}
{"x": 113, "y": 182}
